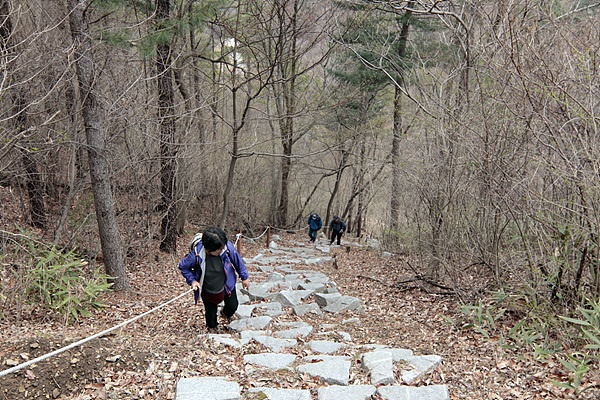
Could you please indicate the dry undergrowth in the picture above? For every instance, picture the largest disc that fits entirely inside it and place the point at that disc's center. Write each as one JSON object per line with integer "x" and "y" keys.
{"x": 144, "y": 360}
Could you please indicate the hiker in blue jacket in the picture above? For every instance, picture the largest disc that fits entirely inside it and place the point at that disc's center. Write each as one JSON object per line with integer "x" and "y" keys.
{"x": 337, "y": 228}
{"x": 314, "y": 224}
{"x": 210, "y": 268}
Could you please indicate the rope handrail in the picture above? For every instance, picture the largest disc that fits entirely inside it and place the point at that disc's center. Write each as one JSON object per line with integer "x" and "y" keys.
{"x": 290, "y": 230}
{"x": 104, "y": 332}
{"x": 82, "y": 341}
{"x": 259, "y": 236}
{"x": 273, "y": 228}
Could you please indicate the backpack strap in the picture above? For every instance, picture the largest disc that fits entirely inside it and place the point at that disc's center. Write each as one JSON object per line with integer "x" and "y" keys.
{"x": 230, "y": 258}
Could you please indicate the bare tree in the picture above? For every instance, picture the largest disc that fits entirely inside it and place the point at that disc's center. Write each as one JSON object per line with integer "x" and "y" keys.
{"x": 110, "y": 238}
{"x": 166, "y": 122}
{"x": 398, "y": 130}
{"x": 34, "y": 184}
{"x": 294, "y": 37}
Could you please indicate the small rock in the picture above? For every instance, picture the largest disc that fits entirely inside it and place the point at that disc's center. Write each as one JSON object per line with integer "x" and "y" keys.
{"x": 29, "y": 375}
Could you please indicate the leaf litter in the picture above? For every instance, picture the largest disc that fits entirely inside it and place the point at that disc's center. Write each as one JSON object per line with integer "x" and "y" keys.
{"x": 144, "y": 360}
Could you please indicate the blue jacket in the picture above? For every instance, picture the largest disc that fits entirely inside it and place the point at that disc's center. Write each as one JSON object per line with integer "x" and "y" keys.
{"x": 193, "y": 265}
{"x": 314, "y": 222}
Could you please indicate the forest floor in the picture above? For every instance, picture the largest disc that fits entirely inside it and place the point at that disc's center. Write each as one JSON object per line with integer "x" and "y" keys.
{"x": 144, "y": 360}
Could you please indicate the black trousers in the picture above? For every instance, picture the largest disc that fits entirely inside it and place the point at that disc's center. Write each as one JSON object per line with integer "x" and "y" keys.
{"x": 210, "y": 309}
{"x": 336, "y": 235}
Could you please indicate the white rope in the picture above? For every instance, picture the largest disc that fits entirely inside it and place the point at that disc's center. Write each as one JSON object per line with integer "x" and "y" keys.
{"x": 265, "y": 231}
{"x": 290, "y": 230}
{"x": 55, "y": 352}
{"x": 258, "y": 237}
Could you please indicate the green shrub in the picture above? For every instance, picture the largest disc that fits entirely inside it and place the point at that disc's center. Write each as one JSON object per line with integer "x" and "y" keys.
{"x": 482, "y": 317}
{"x": 589, "y": 326}
{"x": 578, "y": 364}
{"x": 59, "y": 282}
{"x": 537, "y": 329}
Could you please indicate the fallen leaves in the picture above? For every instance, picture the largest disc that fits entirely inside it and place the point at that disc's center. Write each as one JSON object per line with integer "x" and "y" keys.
{"x": 145, "y": 360}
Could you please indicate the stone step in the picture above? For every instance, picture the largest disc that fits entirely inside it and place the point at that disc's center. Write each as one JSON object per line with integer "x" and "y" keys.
{"x": 290, "y": 286}
{"x": 218, "y": 388}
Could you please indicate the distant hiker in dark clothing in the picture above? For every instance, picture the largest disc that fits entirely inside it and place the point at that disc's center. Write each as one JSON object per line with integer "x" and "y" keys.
{"x": 210, "y": 269}
{"x": 314, "y": 224}
{"x": 337, "y": 227}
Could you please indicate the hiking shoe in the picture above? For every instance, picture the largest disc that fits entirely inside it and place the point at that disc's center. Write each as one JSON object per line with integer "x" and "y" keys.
{"x": 226, "y": 317}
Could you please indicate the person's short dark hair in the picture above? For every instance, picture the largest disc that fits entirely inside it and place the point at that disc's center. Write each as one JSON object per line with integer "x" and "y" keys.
{"x": 336, "y": 217}
{"x": 214, "y": 238}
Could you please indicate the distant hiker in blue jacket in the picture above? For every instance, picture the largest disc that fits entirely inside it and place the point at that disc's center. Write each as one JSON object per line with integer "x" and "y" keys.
{"x": 210, "y": 268}
{"x": 337, "y": 228}
{"x": 314, "y": 224}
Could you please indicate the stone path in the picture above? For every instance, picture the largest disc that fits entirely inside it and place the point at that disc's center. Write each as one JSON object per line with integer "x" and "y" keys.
{"x": 291, "y": 284}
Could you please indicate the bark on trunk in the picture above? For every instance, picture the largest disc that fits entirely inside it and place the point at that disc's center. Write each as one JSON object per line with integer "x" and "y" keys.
{"x": 396, "y": 138}
{"x": 397, "y": 134}
{"x": 286, "y": 167}
{"x": 289, "y": 75}
{"x": 110, "y": 239}
{"x": 166, "y": 122}
{"x": 338, "y": 179}
{"x": 35, "y": 191}
{"x": 34, "y": 184}
{"x": 77, "y": 172}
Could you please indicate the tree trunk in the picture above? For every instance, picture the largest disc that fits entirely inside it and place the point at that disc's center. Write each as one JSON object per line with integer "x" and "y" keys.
{"x": 76, "y": 173}
{"x": 286, "y": 167}
{"x": 234, "y": 141}
{"x": 110, "y": 239}
{"x": 166, "y": 122}
{"x": 360, "y": 211}
{"x": 34, "y": 184}
{"x": 338, "y": 178}
{"x": 275, "y": 191}
{"x": 289, "y": 65}
{"x": 35, "y": 190}
{"x": 397, "y": 128}
{"x": 360, "y": 182}
{"x": 396, "y": 138}
{"x": 232, "y": 163}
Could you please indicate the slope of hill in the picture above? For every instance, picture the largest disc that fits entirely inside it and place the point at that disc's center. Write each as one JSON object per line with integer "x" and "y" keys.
{"x": 145, "y": 359}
